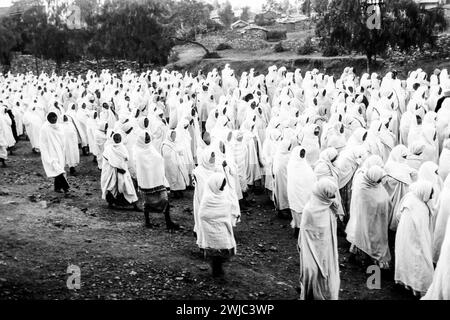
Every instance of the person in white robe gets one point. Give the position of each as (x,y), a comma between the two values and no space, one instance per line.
(100,138)
(280,163)
(52,147)
(399,177)
(444,160)
(117,185)
(440,286)
(370,208)
(442,216)
(3,143)
(428,171)
(72,153)
(216,218)
(33,123)
(176,171)
(300,182)
(201,174)
(318,244)
(413,241)
(151,180)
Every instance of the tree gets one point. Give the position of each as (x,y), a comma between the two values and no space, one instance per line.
(273,5)
(245,14)
(8,40)
(306,7)
(403,25)
(226,14)
(320,6)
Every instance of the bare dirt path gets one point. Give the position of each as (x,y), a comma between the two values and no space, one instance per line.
(42,233)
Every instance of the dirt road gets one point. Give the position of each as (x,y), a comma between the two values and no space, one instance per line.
(42,233)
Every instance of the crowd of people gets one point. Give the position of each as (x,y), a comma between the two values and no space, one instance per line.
(367,155)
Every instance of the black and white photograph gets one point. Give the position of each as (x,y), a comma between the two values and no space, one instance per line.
(227,151)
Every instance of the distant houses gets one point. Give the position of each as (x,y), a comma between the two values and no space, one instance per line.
(254,31)
(240,24)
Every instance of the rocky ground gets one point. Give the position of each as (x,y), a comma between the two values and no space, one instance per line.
(42,233)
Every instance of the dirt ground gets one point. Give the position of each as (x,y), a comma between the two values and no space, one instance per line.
(42,233)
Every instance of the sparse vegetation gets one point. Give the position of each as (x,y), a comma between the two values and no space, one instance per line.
(276,35)
(223,46)
(278,47)
(306,48)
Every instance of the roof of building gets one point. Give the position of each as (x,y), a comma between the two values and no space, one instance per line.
(238,23)
(254,27)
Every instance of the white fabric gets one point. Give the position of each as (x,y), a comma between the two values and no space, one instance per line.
(51,143)
(216,216)
(413,241)
(300,182)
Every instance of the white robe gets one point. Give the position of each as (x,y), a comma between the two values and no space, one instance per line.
(52,147)
(300,182)
(440,286)
(216,216)
(116,156)
(72,153)
(413,241)
(317,244)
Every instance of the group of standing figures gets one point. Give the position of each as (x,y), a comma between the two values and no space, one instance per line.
(364,154)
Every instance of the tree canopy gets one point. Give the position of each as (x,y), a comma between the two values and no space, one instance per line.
(403,25)
(138,30)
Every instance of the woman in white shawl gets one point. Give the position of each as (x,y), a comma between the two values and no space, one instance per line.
(176,172)
(358,179)
(444,160)
(429,172)
(442,216)
(440,286)
(280,162)
(317,244)
(348,161)
(52,146)
(226,163)
(216,220)
(430,139)
(326,167)
(33,124)
(310,141)
(72,154)
(201,174)
(117,185)
(399,177)
(254,150)
(3,143)
(100,139)
(269,148)
(240,153)
(413,241)
(7,127)
(300,181)
(151,180)
(183,142)
(370,207)
(415,157)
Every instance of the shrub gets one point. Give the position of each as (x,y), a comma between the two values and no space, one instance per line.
(173,57)
(212,55)
(276,35)
(223,46)
(306,48)
(278,47)
(332,50)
